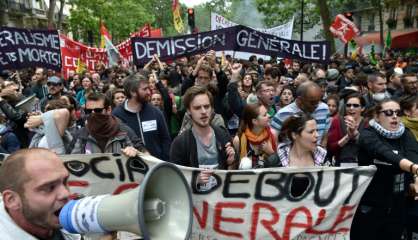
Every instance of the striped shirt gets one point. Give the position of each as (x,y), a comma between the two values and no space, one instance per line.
(321,116)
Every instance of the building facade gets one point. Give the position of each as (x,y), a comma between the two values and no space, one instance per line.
(31,14)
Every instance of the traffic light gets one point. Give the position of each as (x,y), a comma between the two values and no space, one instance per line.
(190,18)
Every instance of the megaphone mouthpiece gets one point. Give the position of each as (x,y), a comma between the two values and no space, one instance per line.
(154,209)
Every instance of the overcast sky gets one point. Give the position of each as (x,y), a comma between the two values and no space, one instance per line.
(191,3)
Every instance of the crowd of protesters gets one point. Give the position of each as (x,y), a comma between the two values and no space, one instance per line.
(223,113)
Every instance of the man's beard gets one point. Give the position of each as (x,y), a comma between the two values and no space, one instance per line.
(142,99)
(34,216)
(199,124)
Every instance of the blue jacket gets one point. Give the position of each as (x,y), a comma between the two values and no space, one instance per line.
(9,142)
(150,125)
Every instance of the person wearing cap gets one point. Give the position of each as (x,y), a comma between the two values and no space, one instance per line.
(347,78)
(55,87)
(332,77)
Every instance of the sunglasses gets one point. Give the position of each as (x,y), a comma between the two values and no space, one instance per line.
(53,84)
(354,105)
(390,112)
(95,110)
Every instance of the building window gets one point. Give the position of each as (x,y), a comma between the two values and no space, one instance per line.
(409,11)
(37,4)
(371,22)
(393,14)
(408,19)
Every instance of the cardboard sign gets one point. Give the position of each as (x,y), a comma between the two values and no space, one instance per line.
(274,203)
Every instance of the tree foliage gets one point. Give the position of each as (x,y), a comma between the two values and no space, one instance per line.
(121,17)
(203,11)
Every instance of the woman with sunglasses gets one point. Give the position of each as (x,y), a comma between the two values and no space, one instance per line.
(392,148)
(344,131)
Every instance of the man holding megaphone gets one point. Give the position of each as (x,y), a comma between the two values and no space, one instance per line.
(34,203)
(33,185)
(202,146)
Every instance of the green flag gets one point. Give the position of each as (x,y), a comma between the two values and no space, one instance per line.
(372,56)
(353,44)
(388,41)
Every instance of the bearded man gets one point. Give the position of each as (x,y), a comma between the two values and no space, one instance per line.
(146,120)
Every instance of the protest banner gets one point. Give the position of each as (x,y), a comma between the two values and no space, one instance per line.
(125,47)
(72,50)
(285,30)
(251,204)
(22,48)
(236,38)
(344,29)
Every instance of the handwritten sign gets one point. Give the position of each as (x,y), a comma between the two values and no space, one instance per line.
(279,203)
(236,38)
(22,48)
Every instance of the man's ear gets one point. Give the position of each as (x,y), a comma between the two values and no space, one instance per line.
(369,85)
(298,100)
(109,110)
(12,200)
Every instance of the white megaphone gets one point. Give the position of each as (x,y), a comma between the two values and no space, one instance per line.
(160,208)
(28,104)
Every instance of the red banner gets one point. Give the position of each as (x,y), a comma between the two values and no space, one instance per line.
(343,28)
(71,51)
(125,47)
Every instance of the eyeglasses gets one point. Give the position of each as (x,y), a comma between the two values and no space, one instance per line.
(353,105)
(390,112)
(53,84)
(95,110)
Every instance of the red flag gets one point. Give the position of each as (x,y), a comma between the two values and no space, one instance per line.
(145,31)
(343,28)
(174,4)
(103,31)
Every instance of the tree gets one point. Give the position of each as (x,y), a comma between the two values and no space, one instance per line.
(120,17)
(203,12)
(326,22)
(277,12)
(50,13)
(3,13)
(61,14)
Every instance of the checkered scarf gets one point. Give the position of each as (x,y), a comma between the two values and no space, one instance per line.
(283,150)
(386,133)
